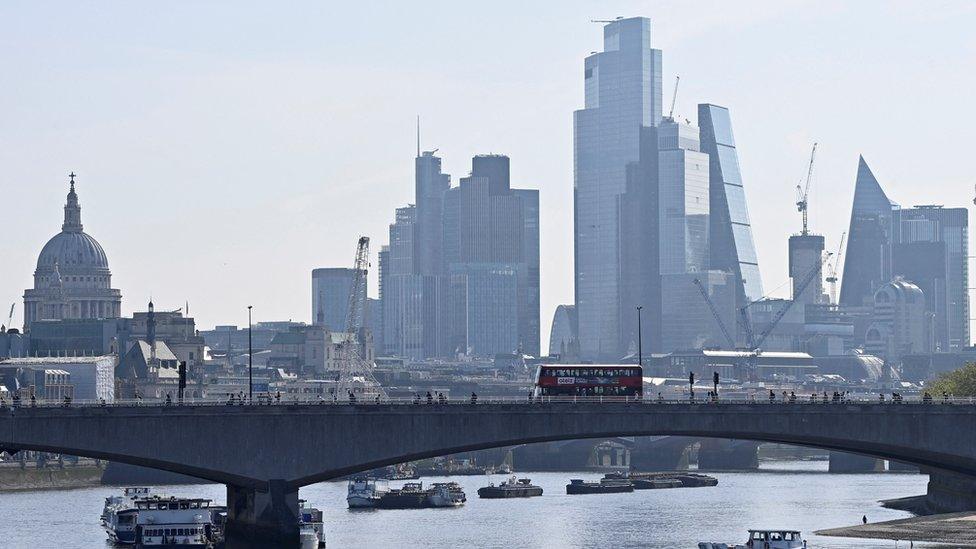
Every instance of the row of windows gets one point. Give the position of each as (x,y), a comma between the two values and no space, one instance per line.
(599,372)
(601,390)
(173,532)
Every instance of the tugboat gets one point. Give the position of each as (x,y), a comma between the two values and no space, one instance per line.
(446,494)
(364,492)
(514,487)
(605,486)
(119,514)
(764,539)
(184,523)
(411,496)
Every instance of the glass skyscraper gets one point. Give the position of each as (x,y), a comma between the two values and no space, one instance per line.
(930,245)
(330,296)
(622,89)
(867,261)
(731,244)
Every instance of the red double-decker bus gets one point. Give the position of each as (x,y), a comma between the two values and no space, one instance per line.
(623,380)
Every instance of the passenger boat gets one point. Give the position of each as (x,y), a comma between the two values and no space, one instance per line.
(411,496)
(365,492)
(176,523)
(514,487)
(763,539)
(311,529)
(446,494)
(604,486)
(119,514)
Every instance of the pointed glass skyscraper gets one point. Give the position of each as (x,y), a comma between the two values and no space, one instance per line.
(867,262)
(731,246)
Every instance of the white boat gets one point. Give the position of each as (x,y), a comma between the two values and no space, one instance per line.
(365,492)
(446,494)
(311,529)
(184,523)
(764,539)
(308,537)
(119,514)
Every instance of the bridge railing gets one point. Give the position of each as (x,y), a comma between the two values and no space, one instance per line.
(293,400)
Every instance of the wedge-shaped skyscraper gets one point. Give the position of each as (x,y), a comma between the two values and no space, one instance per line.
(867,261)
(731,245)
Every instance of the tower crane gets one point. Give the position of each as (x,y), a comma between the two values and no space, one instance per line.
(674,98)
(10,317)
(718,317)
(832,270)
(803,193)
(352,366)
(753,347)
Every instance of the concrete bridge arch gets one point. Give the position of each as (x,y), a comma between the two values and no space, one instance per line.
(265,453)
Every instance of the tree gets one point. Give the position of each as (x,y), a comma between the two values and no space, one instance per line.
(960,383)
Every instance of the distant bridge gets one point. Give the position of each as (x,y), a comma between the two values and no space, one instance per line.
(265,453)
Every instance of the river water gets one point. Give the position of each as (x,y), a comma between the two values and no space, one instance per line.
(783,494)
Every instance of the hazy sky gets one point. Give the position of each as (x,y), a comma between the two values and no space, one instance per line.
(224,149)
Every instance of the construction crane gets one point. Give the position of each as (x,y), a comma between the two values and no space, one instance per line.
(352,367)
(10,317)
(718,317)
(753,346)
(832,270)
(674,98)
(619,17)
(803,193)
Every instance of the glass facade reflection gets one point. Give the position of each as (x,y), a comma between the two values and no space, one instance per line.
(683,206)
(930,246)
(867,261)
(731,243)
(622,90)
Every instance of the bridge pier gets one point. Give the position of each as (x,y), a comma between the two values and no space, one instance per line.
(262,518)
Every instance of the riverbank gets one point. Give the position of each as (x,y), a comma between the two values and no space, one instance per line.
(955,529)
(16,479)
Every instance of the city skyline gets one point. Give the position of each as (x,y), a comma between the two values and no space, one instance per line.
(189,207)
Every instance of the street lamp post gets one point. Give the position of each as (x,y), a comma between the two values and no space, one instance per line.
(640,347)
(250,360)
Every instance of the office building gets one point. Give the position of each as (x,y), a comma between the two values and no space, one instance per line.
(491,232)
(622,94)
(930,247)
(430,186)
(805,258)
(562,333)
(867,261)
(330,296)
(900,325)
(484,308)
(731,244)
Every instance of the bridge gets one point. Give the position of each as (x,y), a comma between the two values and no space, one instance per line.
(265,453)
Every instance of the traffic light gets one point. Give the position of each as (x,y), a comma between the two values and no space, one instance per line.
(182,372)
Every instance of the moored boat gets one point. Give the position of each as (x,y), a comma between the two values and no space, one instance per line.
(176,523)
(120,513)
(364,492)
(604,486)
(446,494)
(513,487)
(411,496)
(311,529)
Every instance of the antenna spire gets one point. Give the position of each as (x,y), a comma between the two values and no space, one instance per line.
(418,135)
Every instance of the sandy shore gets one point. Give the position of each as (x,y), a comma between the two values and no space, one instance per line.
(955,529)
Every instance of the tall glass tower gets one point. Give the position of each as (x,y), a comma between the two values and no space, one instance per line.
(731,245)
(867,263)
(622,88)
